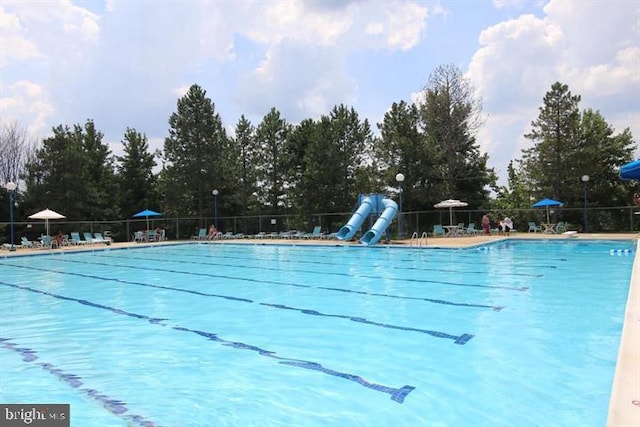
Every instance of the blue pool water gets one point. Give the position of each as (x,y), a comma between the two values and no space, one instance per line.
(519,333)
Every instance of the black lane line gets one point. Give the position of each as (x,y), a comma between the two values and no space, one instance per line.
(396,394)
(457,340)
(440,282)
(462,339)
(273,282)
(394,267)
(458,253)
(114,406)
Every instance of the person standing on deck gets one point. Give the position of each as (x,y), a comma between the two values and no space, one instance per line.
(486,223)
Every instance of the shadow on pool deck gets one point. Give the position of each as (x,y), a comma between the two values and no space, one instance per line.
(624,405)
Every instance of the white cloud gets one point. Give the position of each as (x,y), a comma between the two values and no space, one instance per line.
(586,45)
(304,69)
(279,20)
(508,4)
(26,102)
(126,64)
(181,91)
(299,80)
(58,26)
(13,44)
(405,24)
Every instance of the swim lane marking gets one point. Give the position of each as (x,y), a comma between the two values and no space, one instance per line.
(457,340)
(396,394)
(114,406)
(439,282)
(394,267)
(261,281)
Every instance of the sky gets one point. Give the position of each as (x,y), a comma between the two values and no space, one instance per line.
(125,63)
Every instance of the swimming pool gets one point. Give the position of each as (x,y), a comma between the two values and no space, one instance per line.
(517,333)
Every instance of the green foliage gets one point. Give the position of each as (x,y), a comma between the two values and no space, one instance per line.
(271,160)
(242,161)
(320,166)
(451,116)
(194,157)
(513,197)
(327,160)
(403,148)
(348,145)
(73,173)
(136,180)
(570,144)
(550,162)
(434,146)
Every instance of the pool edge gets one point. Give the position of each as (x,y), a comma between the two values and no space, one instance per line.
(624,403)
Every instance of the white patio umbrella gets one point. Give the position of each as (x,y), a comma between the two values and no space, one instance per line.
(450,203)
(47,214)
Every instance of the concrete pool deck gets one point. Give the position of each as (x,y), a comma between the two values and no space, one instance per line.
(624,404)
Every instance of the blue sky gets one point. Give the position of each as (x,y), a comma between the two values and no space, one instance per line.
(126,63)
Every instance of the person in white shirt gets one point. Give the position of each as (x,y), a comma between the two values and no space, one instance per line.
(507,224)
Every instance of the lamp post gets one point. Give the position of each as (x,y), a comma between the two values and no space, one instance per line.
(585,180)
(11,188)
(400,178)
(215,208)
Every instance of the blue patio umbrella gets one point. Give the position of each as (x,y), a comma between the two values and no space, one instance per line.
(147,213)
(545,203)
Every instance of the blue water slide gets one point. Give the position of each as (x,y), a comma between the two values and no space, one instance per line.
(350,228)
(630,170)
(372,236)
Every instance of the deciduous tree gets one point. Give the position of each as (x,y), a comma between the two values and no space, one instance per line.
(451,116)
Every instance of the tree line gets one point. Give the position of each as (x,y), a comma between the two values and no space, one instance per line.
(318,166)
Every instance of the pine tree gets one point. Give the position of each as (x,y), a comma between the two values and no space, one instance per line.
(194,157)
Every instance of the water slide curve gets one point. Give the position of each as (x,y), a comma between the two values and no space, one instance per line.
(630,170)
(368,205)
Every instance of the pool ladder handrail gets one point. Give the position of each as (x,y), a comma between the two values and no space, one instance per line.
(418,240)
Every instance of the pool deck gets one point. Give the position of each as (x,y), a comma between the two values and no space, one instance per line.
(624,404)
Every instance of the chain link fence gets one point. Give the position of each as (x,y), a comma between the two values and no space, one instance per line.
(598,220)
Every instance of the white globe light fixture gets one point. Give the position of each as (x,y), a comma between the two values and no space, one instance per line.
(585,180)
(215,207)
(400,179)
(11,188)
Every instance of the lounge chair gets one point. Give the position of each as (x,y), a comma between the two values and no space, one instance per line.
(7,246)
(151,236)
(298,235)
(76,239)
(88,237)
(533,227)
(315,234)
(26,243)
(471,229)
(438,230)
(47,242)
(98,238)
(202,235)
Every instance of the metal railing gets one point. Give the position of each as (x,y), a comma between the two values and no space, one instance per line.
(602,220)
